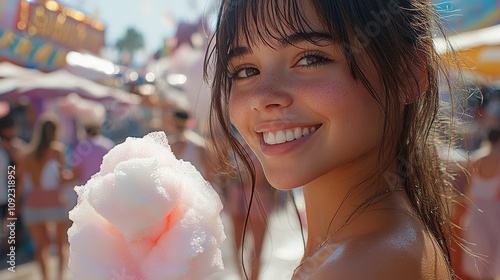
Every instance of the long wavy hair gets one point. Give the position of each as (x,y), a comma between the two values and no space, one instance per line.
(45,133)
(397,35)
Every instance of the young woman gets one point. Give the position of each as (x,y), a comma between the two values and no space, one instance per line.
(44,202)
(341,97)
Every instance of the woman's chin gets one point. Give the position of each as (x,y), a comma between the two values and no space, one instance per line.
(282,185)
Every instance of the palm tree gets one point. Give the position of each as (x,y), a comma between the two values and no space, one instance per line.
(129,44)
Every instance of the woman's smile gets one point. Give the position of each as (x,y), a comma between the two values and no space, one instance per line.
(288,135)
(280,142)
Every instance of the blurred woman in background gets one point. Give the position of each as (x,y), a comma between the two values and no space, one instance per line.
(44,202)
(483,213)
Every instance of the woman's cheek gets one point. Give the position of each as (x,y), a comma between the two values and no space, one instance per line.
(237,111)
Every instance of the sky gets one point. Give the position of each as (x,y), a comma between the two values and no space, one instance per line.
(154,19)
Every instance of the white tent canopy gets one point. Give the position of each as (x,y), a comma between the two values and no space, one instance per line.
(9,70)
(479,50)
(187,63)
(489,36)
(62,83)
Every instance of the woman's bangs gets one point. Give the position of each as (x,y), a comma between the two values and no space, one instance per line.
(269,22)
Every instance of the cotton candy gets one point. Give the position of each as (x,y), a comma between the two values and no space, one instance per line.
(145,216)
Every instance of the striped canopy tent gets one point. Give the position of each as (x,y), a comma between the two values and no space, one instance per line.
(478,50)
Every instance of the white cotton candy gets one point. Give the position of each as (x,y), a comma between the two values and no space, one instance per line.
(145,215)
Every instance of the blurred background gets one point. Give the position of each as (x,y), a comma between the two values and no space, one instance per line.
(128,66)
(123,49)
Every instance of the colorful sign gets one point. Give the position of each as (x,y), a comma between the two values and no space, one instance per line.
(65,26)
(467,15)
(39,34)
(31,51)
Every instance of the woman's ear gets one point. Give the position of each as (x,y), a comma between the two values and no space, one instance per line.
(418,80)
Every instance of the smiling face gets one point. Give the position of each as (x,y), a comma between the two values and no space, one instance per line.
(301,111)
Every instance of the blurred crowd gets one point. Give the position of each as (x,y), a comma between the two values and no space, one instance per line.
(475,167)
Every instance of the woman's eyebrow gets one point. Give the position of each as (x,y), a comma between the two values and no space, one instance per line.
(315,37)
(292,39)
(238,52)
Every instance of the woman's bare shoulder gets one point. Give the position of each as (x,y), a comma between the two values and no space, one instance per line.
(402,252)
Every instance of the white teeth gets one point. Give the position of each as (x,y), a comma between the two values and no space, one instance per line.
(297,132)
(282,136)
(271,139)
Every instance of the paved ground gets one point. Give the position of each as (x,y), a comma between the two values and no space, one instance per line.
(282,252)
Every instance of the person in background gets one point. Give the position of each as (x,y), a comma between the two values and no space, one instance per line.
(44,203)
(186,144)
(482,218)
(11,152)
(88,153)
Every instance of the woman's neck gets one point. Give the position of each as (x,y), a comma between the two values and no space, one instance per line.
(332,200)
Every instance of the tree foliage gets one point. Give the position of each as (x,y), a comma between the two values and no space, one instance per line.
(131,42)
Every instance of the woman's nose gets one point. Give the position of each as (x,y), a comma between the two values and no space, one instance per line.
(271,92)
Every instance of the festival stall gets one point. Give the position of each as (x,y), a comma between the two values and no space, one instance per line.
(39,34)
(179,74)
(58,48)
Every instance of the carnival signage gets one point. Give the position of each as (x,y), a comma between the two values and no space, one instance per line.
(39,34)
(30,51)
(64,26)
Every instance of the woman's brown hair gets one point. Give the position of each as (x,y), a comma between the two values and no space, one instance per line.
(44,134)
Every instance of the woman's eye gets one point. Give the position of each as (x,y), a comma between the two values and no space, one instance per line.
(312,59)
(245,73)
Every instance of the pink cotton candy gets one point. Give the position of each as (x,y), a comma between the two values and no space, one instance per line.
(145,216)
